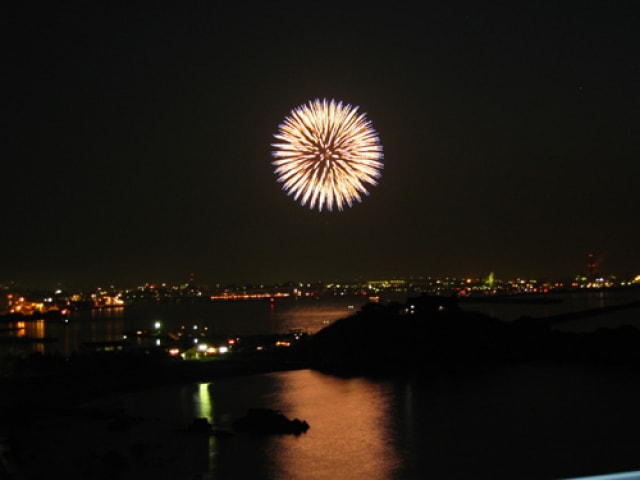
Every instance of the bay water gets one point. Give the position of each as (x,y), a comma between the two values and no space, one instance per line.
(523,422)
(534,421)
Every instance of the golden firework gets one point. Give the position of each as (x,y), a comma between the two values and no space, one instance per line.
(327,154)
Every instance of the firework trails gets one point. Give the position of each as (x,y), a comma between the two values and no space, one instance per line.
(327,154)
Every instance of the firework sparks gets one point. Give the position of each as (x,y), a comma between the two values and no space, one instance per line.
(327,154)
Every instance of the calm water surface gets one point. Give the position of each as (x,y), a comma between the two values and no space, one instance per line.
(224,318)
(516,422)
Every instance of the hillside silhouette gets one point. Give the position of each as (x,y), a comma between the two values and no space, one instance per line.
(431,331)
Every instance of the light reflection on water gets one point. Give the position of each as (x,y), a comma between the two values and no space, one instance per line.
(351,428)
(218,318)
(352,432)
(526,421)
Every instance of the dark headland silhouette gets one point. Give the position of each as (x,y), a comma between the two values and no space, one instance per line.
(431,331)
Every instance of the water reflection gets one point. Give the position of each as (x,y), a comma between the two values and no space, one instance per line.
(350,434)
(24,332)
(525,421)
(219,318)
(311,316)
(203,408)
(203,405)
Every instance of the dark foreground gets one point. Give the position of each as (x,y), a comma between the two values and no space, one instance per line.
(50,394)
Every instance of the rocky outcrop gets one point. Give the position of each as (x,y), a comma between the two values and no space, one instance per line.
(269,421)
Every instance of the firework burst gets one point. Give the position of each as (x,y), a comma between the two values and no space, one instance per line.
(327,154)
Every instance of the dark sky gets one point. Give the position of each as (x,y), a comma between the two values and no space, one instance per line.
(136,140)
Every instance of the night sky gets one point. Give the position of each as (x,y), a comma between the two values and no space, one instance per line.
(137,140)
